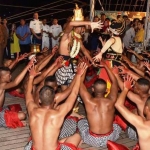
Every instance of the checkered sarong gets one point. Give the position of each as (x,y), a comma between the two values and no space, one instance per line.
(65,74)
(132,133)
(97,141)
(60,147)
(2,119)
(68,128)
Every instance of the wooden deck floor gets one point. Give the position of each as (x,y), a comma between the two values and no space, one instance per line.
(16,139)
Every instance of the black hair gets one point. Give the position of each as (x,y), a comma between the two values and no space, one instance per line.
(143,81)
(46,95)
(39,54)
(4,69)
(100,81)
(50,79)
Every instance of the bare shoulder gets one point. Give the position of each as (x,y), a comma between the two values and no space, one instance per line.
(65,36)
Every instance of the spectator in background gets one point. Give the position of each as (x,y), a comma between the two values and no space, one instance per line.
(103,17)
(55,31)
(36,29)
(7,48)
(14,45)
(129,36)
(139,37)
(94,37)
(46,32)
(3,41)
(23,34)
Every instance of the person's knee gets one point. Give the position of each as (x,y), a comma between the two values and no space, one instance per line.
(21,116)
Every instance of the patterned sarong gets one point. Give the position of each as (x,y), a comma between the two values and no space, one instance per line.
(97,140)
(69,127)
(132,133)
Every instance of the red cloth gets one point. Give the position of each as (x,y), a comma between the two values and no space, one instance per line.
(130,105)
(73,147)
(12,120)
(137,147)
(100,135)
(15,107)
(118,120)
(16,94)
(88,84)
(73,118)
(115,146)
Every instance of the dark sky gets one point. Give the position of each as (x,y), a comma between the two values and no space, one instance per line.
(61,9)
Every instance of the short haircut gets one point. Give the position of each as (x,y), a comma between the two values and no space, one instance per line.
(46,95)
(98,89)
(39,54)
(141,22)
(4,69)
(145,83)
(50,79)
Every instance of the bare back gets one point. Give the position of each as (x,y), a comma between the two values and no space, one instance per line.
(2,94)
(117,46)
(45,126)
(144,136)
(100,114)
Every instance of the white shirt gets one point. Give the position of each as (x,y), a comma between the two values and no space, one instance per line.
(36,25)
(45,28)
(129,35)
(55,30)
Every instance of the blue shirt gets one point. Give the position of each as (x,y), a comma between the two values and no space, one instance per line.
(21,31)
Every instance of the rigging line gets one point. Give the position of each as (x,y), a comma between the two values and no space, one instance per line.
(47,14)
(15,6)
(101,5)
(35,8)
(38,11)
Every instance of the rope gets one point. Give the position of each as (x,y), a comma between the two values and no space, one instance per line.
(92,4)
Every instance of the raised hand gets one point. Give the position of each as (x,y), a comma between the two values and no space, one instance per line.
(97,25)
(128,82)
(81,68)
(85,60)
(98,57)
(45,49)
(54,50)
(59,62)
(32,72)
(123,70)
(23,56)
(31,62)
(147,65)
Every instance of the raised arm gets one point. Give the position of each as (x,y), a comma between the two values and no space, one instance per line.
(20,76)
(43,63)
(72,24)
(28,92)
(67,106)
(132,96)
(98,57)
(56,64)
(128,115)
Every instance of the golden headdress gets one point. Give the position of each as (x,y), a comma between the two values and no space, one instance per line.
(78,14)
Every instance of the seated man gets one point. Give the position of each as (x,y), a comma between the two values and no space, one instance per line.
(99,126)
(141,124)
(45,120)
(9,118)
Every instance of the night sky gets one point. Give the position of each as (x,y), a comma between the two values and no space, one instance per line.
(61,9)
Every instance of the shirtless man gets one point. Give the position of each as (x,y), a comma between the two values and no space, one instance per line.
(6,83)
(141,124)
(45,121)
(139,94)
(73,30)
(99,127)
